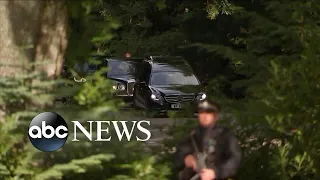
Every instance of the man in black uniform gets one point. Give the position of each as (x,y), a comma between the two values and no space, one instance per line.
(210,151)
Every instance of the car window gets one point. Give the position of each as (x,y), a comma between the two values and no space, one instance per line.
(120,68)
(86,68)
(173,78)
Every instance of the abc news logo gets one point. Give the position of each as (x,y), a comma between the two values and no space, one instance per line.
(48,131)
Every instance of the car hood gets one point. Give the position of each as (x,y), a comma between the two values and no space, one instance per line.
(125,78)
(185,89)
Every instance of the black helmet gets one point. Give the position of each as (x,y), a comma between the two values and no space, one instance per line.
(208,106)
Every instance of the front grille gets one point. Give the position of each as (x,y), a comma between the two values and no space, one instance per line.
(130,88)
(179,98)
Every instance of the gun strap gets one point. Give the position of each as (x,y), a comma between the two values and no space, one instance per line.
(195,177)
(199,158)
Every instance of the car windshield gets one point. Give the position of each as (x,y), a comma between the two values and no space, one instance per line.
(120,68)
(173,78)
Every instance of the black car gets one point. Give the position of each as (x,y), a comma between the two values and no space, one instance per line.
(166,83)
(120,70)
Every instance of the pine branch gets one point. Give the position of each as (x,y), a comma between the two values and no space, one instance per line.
(77,166)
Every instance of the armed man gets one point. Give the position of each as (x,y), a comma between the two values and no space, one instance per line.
(210,151)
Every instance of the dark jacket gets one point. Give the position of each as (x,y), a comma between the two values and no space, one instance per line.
(222,149)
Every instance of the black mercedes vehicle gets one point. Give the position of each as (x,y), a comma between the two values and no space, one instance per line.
(166,83)
(120,70)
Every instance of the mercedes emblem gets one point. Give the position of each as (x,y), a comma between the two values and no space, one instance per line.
(180,98)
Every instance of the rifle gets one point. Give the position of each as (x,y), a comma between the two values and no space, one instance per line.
(200,158)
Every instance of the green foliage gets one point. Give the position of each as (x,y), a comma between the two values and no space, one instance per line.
(18,97)
(89,30)
(268,51)
(277,56)
(75,166)
(217,7)
(146,168)
(96,91)
(167,28)
(20,160)
(161,4)
(270,58)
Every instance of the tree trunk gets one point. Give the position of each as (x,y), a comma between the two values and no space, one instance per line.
(32,31)
(19,28)
(39,25)
(52,39)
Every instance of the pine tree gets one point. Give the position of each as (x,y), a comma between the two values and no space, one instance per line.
(20,95)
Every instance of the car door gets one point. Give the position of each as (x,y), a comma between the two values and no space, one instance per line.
(144,86)
(140,86)
(136,88)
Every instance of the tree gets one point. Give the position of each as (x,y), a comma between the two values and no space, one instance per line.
(44,37)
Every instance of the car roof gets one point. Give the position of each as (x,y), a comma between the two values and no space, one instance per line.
(100,56)
(169,63)
(115,58)
(131,60)
(92,66)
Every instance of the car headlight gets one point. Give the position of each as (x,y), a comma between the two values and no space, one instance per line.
(155,97)
(201,96)
(119,87)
